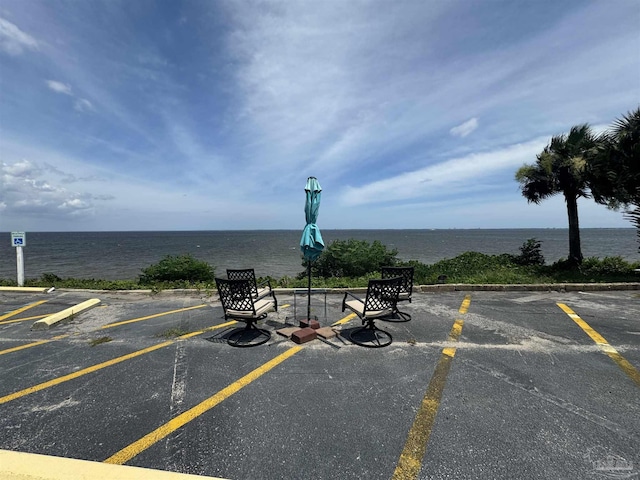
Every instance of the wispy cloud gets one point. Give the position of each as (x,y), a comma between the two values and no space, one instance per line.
(79,104)
(465,128)
(83,105)
(439,179)
(13,40)
(59,87)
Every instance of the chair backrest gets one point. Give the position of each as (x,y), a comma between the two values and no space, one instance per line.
(382,294)
(235,294)
(405,272)
(244,274)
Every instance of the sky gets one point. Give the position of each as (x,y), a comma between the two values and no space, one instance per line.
(210,115)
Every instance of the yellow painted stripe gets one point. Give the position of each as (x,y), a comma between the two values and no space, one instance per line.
(175,423)
(22,309)
(410,462)
(99,366)
(631,371)
(24,319)
(344,320)
(124,322)
(208,329)
(456,330)
(79,373)
(32,344)
(33,466)
(465,304)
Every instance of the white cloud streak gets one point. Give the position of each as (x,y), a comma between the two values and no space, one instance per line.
(465,128)
(13,40)
(442,178)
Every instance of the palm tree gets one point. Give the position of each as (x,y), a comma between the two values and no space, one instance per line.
(561,168)
(614,171)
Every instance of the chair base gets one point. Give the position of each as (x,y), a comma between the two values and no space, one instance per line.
(370,336)
(250,336)
(397,316)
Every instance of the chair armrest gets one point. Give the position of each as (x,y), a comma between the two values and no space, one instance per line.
(344,300)
(264,283)
(267,284)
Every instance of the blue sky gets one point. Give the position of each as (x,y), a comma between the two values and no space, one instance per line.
(205,115)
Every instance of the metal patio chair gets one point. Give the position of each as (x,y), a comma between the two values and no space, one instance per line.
(379,303)
(239,304)
(406,289)
(258,290)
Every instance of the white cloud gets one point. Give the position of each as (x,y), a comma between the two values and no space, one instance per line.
(83,105)
(59,87)
(79,104)
(441,178)
(465,128)
(24,190)
(13,40)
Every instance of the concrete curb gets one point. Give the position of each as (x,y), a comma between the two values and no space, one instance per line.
(444,287)
(25,289)
(32,466)
(534,287)
(48,322)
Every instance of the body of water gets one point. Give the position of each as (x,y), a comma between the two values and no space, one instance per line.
(122,255)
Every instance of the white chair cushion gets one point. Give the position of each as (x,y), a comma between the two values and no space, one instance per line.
(262,306)
(358,308)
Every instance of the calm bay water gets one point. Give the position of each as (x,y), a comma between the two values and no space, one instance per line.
(122,255)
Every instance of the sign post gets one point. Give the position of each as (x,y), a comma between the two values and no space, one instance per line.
(19,240)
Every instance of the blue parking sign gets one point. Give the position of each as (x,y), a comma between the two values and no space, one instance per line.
(18,239)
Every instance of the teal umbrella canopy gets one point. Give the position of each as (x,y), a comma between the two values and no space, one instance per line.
(311,242)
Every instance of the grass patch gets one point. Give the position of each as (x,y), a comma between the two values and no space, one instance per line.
(174,332)
(98,341)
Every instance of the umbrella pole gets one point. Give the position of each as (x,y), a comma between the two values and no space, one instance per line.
(309,291)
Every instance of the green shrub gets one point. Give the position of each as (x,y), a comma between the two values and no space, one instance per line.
(182,268)
(352,258)
(530,253)
(50,278)
(606,266)
(475,267)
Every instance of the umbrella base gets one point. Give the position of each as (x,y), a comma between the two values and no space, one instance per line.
(310,323)
(304,335)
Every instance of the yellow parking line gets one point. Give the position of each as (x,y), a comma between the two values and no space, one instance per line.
(124,322)
(24,319)
(22,309)
(344,320)
(465,304)
(175,423)
(410,461)
(622,362)
(32,344)
(100,366)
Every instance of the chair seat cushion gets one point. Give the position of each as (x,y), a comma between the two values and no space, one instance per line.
(358,308)
(262,306)
(404,296)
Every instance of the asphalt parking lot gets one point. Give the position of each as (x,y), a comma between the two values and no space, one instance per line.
(496,385)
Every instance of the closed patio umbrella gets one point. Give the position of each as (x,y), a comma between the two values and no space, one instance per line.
(311,242)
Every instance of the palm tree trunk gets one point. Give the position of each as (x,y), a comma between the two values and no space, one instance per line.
(575,251)
(634,217)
